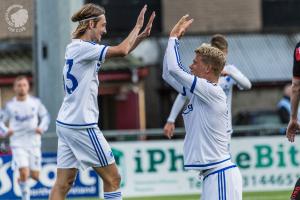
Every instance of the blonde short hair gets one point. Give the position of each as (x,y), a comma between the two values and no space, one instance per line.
(213,57)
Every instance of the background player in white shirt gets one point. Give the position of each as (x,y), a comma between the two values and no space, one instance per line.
(27,119)
(80,142)
(230,76)
(205,118)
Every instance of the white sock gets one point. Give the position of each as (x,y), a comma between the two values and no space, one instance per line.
(116,195)
(25,190)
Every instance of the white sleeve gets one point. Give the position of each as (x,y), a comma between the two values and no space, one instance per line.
(92,51)
(198,86)
(177,107)
(44,117)
(241,80)
(4,116)
(169,79)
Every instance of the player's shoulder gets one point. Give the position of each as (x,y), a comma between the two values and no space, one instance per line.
(297,51)
(78,43)
(212,87)
(34,99)
(10,102)
(89,46)
(84,43)
(296,70)
(230,67)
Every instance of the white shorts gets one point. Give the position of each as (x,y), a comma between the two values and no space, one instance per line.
(30,157)
(82,148)
(223,184)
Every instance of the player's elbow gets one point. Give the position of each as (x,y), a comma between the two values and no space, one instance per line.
(124,52)
(164,76)
(245,85)
(248,86)
(118,51)
(296,87)
(173,71)
(165,73)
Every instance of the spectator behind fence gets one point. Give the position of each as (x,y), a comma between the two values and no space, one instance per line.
(284,105)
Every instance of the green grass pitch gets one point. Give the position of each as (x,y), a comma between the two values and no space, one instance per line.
(276,195)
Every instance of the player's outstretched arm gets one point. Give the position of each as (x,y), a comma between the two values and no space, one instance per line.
(173,72)
(242,81)
(170,79)
(293,126)
(145,33)
(198,86)
(133,38)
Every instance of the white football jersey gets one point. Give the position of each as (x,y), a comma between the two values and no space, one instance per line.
(80,76)
(23,118)
(227,83)
(206,124)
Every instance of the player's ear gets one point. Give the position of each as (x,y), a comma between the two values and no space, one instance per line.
(91,24)
(207,68)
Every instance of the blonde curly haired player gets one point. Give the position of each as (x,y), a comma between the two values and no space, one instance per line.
(205,117)
(81,144)
(230,76)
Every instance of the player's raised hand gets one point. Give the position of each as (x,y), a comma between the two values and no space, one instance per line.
(146,32)
(140,19)
(292,129)
(169,130)
(181,26)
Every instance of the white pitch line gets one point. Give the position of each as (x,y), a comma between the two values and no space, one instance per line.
(266,198)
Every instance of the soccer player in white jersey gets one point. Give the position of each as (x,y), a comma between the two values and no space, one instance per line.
(230,76)
(205,118)
(27,120)
(80,142)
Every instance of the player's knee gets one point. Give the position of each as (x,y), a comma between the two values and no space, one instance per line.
(64,186)
(117,181)
(24,175)
(113,182)
(35,177)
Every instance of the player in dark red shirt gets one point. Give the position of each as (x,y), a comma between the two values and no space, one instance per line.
(294,126)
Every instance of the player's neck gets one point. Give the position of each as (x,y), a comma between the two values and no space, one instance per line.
(21,97)
(212,79)
(86,37)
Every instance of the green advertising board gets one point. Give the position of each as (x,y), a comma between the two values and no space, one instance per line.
(156,167)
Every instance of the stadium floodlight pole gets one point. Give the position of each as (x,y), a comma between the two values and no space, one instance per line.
(52,33)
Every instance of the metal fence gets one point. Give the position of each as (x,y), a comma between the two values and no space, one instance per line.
(49,140)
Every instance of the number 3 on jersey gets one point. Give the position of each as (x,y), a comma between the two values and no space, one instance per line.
(70,82)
